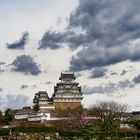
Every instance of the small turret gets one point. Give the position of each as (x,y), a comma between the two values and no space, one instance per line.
(42,100)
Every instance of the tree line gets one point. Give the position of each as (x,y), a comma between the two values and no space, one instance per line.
(103,119)
(7,117)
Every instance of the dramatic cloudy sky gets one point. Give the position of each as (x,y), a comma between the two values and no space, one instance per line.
(99,40)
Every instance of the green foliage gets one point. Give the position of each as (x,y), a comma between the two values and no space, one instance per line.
(32,129)
(127,133)
(1,118)
(4,132)
(36,108)
(135,123)
(89,132)
(108,116)
(110,124)
(70,133)
(8,117)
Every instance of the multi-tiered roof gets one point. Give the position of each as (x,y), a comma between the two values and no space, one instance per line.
(67,90)
(43,101)
(41,96)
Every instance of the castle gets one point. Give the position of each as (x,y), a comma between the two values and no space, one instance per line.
(67,95)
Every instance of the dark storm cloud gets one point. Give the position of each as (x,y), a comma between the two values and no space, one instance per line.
(2,63)
(108,22)
(1,70)
(27,86)
(110,25)
(24,87)
(51,40)
(137,79)
(113,73)
(20,44)
(48,83)
(13,101)
(105,29)
(99,57)
(108,88)
(98,73)
(55,40)
(26,64)
(123,72)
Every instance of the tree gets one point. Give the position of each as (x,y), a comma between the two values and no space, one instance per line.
(71,119)
(136,124)
(36,108)
(1,118)
(108,117)
(8,117)
(78,118)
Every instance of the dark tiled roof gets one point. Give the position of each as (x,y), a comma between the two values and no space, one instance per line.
(66,75)
(42,93)
(136,113)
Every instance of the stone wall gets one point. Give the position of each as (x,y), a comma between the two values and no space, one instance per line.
(36,136)
(67,105)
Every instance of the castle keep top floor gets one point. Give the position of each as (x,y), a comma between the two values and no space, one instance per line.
(67,76)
